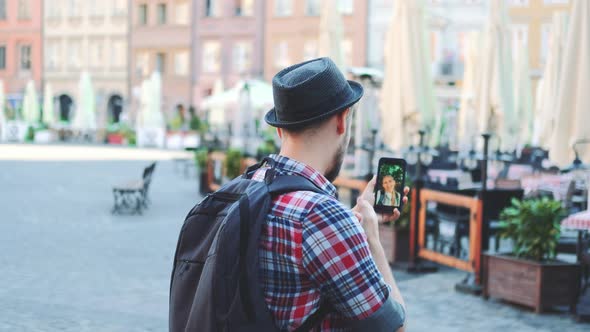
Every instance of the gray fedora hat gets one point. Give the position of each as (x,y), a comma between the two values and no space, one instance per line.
(309,92)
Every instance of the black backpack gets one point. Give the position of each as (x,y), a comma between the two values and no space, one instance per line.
(214,284)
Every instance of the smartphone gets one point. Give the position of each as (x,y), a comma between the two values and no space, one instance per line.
(389,189)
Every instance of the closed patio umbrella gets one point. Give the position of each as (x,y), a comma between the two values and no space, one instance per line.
(546,114)
(573,98)
(216,113)
(467,111)
(48,115)
(494,99)
(31,105)
(85,116)
(407,96)
(523,95)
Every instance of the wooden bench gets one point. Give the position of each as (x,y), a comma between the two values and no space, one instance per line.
(133,196)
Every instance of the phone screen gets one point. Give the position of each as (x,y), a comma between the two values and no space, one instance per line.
(389,189)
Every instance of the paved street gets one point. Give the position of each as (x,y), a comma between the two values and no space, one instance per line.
(67,264)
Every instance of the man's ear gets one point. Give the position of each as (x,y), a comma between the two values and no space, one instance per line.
(341,121)
(280,132)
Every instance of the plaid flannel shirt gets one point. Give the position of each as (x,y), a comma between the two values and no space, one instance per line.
(313,245)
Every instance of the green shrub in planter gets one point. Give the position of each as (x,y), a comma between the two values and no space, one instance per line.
(233,163)
(534,227)
(201,158)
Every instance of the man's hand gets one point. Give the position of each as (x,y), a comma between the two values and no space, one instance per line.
(369,196)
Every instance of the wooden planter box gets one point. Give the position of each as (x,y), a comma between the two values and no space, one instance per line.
(530,283)
(396,243)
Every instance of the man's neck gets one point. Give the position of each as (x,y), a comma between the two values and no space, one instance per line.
(306,157)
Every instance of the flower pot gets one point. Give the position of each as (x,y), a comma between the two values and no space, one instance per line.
(115,139)
(539,285)
(395,242)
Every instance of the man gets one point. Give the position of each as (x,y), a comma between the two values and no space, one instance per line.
(388,196)
(313,249)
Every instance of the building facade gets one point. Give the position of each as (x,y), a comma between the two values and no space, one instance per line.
(292,32)
(531,24)
(87,36)
(229,43)
(161,40)
(20,47)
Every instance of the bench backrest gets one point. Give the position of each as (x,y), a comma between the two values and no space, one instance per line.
(147,175)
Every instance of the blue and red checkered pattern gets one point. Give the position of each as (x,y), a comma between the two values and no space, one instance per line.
(314,246)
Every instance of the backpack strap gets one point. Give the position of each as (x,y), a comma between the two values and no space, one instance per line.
(282,184)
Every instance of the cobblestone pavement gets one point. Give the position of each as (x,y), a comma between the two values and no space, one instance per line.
(67,264)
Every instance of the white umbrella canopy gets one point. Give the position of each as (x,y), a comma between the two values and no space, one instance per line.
(573,99)
(523,95)
(48,115)
(260,94)
(330,39)
(494,97)
(150,112)
(545,113)
(216,114)
(407,94)
(85,116)
(31,104)
(466,130)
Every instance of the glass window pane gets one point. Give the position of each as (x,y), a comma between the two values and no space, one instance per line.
(143,14)
(2,57)
(182,13)
(2,9)
(162,13)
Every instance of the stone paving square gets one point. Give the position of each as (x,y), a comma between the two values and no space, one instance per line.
(67,264)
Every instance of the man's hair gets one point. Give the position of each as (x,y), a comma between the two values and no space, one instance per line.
(313,127)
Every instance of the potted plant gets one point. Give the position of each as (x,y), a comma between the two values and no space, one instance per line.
(395,236)
(201,156)
(530,275)
(114,134)
(233,163)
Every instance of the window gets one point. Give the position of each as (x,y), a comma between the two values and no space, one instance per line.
(283,7)
(281,54)
(96,8)
(310,50)
(51,11)
(556,2)
(74,8)
(345,7)
(24,10)
(52,49)
(143,14)
(142,64)
(182,16)
(211,57)
(346,46)
(212,8)
(75,53)
(96,53)
(181,65)
(161,63)
(118,54)
(473,2)
(244,7)
(2,57)
(2,9)
(162,13)
(518,3)
(119,7)
(25,57)
(242,57)
(312,7)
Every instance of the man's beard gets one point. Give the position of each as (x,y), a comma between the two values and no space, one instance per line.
(334,170)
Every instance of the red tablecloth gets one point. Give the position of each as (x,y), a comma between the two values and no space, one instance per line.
(578,221)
